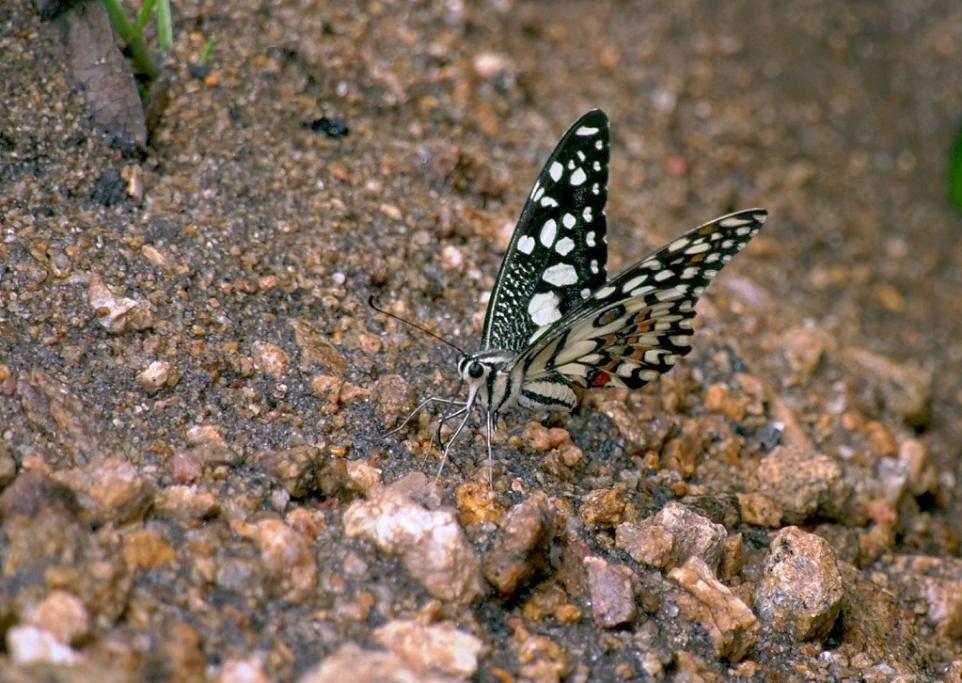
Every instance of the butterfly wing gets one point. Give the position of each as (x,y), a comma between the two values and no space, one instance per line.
(558,253)
(637,326)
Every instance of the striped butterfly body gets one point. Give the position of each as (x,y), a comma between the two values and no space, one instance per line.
(554,320)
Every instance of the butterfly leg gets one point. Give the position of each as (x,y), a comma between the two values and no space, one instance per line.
(447,448)
(432,399)
(443,420)
(490,419)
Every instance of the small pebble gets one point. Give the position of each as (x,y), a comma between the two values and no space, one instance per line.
(612,594)
(270,359)
(156,376)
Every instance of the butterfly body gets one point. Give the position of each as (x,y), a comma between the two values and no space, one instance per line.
(555,322)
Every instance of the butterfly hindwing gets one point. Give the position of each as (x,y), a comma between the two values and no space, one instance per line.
(558,252)
(637,326)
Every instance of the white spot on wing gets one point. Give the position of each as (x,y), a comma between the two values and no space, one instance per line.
(697,248)
(678,244)
(555,171)
(526,244)
(568,221)
(733,222)
(578,177)
(590,238)
(585,293)
(548,232)
(664,275)
(543,308)
(604,292)
(586,214)
(548,200)
(564,245)
(594,266)
(585,131)
(560,274)
(599,144)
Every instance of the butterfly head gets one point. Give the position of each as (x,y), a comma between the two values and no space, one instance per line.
(487,375)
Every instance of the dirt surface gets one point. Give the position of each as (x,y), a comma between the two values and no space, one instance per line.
(195,477)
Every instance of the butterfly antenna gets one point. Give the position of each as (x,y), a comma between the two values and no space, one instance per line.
(372,304)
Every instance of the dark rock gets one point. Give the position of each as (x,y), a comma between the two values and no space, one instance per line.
(109,189)
(332,127)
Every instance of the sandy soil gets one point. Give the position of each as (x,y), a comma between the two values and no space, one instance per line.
(194,395)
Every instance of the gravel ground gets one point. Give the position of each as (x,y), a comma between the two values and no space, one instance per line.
(195,477)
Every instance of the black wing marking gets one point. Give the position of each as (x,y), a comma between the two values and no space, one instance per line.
(558,254)
(637,326)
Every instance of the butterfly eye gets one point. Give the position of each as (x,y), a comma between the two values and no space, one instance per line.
(475,369)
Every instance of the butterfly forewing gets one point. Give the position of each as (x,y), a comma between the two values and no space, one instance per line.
(634,328)
(558,253)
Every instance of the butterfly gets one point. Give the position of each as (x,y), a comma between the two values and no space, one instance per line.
(555,322)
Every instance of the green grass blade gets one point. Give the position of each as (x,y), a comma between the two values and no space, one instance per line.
(955,173)
(143,16)
(138,49)
(165,29)
(207,52)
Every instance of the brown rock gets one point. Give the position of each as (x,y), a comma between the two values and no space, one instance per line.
(430,543)
(33,494)
(186,503)
(294,468)
(611,591)
(53,409)
(604,507)
(288,558)
(270,359)
(477,504)
(541,659)
(646,543)
(351,663)
(317,350)
(903,389)
(328,389)
(803,483)
(442,649)
(116,314)
(536,437)
(671,537)
(144,549)
(759,510)
(731,559)
(62,614)
(803,348)
(921,475)
(363,477)
(522,550)
(109,491)
(801,591)
(157,375)
(393,399)
(732,627)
